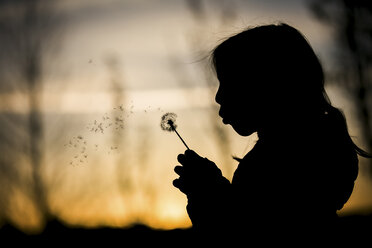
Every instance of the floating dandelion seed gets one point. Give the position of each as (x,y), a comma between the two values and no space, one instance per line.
(114,121)
(168,123)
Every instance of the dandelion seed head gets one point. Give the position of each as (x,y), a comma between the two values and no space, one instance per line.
(168,122)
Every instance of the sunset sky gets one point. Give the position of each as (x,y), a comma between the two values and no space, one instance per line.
(114,69)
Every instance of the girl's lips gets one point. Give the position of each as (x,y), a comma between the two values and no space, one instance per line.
(224,119)
(224,114)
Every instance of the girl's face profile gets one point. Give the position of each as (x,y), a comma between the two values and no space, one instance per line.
(238,100)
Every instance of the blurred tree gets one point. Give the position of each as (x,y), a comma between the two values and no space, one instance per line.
(28,30)
(114,68)
(351,21)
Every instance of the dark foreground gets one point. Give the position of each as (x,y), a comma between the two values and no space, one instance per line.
(355,229)
(56,234)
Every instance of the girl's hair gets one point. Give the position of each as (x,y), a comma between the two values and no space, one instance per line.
(280,53)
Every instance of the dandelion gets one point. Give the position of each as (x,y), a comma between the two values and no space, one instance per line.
(168,123)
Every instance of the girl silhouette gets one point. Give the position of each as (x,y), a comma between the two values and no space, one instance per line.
(304,165)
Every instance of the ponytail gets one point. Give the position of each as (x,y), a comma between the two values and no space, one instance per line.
(337,120)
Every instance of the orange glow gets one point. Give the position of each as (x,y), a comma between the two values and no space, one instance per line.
(123,175)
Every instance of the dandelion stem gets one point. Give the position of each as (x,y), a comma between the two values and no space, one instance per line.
(171,124)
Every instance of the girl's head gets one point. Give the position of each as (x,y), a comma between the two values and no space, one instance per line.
(268,75)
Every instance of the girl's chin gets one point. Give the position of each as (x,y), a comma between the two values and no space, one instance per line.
(243,131)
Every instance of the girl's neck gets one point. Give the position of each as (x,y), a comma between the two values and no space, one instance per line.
(296,131)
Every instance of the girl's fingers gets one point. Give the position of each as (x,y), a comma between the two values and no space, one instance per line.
(189,158)
(181,158)
(177,183)
(179,170)
(191,153)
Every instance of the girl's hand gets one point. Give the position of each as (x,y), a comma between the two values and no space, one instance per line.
(197,175)
(206,189)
